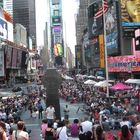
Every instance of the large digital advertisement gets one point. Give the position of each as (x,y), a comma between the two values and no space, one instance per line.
(111,30)
(130,12)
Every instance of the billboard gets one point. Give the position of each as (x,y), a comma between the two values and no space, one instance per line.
(58,49)
(95,24)
(3,29)
(57,28)
(10,31)
(130,12)
(2,73)
(56,19)
(129,63)
(111,30)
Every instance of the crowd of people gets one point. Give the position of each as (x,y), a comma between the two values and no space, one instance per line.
(108,118)
(12,127)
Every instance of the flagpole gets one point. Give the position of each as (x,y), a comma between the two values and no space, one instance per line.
(105,48)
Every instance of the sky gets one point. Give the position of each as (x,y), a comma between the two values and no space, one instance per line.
(69,11)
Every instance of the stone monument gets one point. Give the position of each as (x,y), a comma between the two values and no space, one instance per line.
(52,81)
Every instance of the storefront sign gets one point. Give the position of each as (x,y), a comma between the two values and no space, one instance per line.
(124,64)
(2,63)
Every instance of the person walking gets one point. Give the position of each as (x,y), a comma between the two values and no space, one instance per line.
(66,112)
(20,134)
(50,114)
(40,109)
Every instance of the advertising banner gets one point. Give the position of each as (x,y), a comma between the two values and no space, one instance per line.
(58,49)
(19,55)
(124,64)
(102,52)
(14,58)
(111,30)
(95,26)
(130,12)
(33,63)
(9,57)
(57,28)
(2,63)
(3,29)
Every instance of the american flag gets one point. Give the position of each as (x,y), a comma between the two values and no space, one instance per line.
(100,11)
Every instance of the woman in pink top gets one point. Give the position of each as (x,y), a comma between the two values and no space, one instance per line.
(44,127)
(74,128)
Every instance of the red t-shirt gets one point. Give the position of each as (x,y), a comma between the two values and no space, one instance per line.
(123,138)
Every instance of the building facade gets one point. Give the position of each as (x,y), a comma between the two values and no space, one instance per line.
(24,13)
(120,38)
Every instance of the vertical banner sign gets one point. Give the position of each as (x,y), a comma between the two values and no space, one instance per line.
(102,52)
(2,63)
(14,58)
(19,55)
(9,57)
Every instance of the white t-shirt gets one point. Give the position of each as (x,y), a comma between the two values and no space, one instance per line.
(21,135)
(50,112)
(86,126)
(62,133)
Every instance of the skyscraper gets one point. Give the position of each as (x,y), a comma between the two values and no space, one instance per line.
(24,13)
(8,6)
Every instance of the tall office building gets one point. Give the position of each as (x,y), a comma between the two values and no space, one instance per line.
(8,6)
(24,13)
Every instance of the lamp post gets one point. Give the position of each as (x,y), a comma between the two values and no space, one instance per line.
(105,47)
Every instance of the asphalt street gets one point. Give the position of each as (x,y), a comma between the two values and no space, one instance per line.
(34,123)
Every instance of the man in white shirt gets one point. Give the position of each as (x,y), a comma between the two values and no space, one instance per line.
(125,122)
(50,113)
(86,125)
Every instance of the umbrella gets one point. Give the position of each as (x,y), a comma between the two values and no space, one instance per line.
(90,82)
(133,81)
(100,77)
(121,86)
(102,84)
(91,76)
(66,77)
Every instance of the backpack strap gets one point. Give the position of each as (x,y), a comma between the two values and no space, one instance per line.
(16,134)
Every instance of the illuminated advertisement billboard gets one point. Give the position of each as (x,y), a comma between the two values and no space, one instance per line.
(58,49)
(57,28)
(111,30)
(130,12)
(124,63)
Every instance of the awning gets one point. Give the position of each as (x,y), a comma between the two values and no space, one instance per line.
(133,81)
